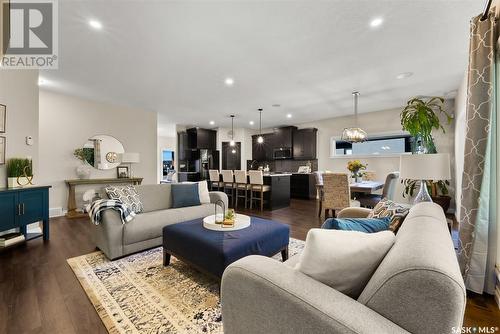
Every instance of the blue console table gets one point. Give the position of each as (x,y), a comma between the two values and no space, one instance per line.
(20,207)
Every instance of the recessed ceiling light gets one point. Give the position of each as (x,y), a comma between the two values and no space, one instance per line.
(376,22)
(229,81)
(251,122)
(404,75)
(288,115)
(41,81)
(95,24)
(212,122)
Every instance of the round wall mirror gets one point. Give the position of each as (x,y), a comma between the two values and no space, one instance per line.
(103,152)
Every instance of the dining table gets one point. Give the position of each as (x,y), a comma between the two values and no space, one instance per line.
(365,187)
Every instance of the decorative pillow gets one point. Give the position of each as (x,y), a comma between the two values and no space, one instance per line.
(367,225)
(203,192)
(185,194)
(127,195)
(344,260)
(387,208)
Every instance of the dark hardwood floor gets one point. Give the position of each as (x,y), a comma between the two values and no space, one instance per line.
(40,294)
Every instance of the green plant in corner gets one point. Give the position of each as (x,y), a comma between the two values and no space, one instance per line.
(420,117)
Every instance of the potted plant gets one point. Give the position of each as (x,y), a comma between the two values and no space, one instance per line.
(355,166)
(83,170)
(420,117)
(19,172)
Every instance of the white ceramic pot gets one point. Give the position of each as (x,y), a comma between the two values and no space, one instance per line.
(83,171)
(13,182)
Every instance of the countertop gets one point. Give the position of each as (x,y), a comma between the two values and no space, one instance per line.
(278,174)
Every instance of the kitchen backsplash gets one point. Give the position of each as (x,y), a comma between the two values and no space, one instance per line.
(283,165)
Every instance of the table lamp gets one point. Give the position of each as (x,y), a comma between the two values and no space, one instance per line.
(131,158)
(425,167)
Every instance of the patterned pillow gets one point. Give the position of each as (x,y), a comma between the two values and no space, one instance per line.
(387,208)
(128,195)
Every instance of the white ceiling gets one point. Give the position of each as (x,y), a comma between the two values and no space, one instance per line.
(307,56)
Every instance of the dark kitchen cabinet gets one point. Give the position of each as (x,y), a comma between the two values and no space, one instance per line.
(283,137)
(182,145)
(258,150)
(303,186)
(304,144)
(198,138)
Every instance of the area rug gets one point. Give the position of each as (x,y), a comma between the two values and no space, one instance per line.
(137,294)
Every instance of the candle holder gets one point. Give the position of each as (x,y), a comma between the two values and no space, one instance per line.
(219,204)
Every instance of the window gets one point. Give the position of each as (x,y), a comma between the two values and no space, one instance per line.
(382,145)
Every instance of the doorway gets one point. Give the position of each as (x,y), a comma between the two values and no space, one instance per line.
(168,161)
(231,156)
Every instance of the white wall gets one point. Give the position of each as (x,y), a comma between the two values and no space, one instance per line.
(67,122)
(460,129)
(381,122)
(19,92)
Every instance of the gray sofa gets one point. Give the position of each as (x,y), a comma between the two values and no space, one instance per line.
(116,239)
(417,288)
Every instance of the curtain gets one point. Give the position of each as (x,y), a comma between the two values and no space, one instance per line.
(478,225)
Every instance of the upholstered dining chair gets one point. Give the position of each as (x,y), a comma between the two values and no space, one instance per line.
(228,184)
(319,189)
(241,187)
(257,186)
(336,193)
(370,200)
(215,183)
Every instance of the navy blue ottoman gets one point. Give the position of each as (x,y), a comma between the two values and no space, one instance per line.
(212,251)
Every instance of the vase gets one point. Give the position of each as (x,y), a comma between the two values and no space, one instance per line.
(358,179)
(83,171)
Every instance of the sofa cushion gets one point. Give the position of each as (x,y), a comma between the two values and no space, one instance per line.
(367,225)
(127,195)
(185,194)
(387,208)
(149,225)
(155,196)
(344,260)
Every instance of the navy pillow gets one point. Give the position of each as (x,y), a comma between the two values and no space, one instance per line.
(185,194)
(368,225)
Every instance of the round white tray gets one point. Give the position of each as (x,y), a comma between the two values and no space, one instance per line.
(241,222)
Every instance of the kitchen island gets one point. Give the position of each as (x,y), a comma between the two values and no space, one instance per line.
(279,196)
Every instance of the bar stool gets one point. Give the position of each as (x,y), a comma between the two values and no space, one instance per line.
(215,179)
(228,183)
(240,176)
(257,185)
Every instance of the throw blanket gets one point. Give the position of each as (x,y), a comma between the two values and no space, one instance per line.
(105,204)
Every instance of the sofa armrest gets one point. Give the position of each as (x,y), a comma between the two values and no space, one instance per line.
(354,212)
(218,195)
(108,235)
(262,295)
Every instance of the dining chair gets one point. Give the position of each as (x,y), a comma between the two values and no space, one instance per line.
(257,185)
(215,179)
(241,184)
(336,193)
(319,189)
(228,183)
(370,200)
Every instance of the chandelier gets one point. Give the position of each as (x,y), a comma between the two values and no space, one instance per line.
(354,134)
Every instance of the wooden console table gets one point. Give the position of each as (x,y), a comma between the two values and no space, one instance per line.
(72,184)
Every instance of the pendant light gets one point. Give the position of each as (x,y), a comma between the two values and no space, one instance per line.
(232,142)
(260,139)
(355,134)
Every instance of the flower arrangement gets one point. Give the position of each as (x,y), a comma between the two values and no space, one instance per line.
(355,166)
